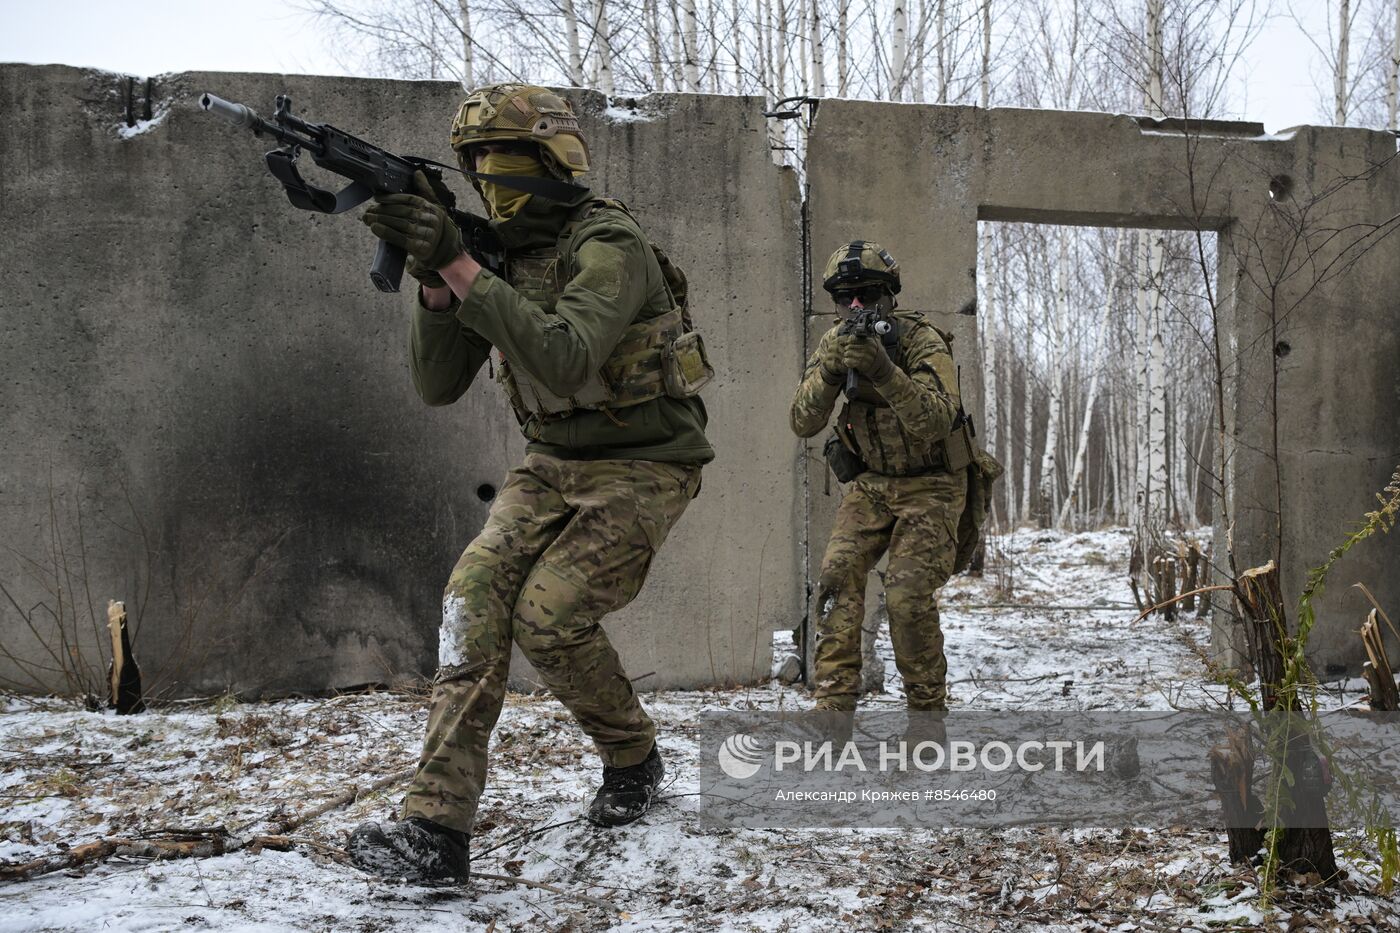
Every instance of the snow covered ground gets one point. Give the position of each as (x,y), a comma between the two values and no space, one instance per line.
(68,776)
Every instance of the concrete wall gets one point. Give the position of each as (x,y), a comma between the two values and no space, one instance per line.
(210,404)
(206,378)
(1338,386)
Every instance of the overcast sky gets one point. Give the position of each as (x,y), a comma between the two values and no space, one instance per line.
(156,36)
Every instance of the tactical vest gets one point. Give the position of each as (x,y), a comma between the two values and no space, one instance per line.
(869,427)
(659,354)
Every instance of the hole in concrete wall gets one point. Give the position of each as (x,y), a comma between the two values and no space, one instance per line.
(1097,344)
(1280,186)
(486,492)
(1282,349)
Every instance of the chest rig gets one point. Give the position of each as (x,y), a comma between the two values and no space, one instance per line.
(869,427)
(659,354)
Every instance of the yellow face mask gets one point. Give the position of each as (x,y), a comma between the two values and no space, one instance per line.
(504,203)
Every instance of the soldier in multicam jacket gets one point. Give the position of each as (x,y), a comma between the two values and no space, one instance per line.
(901,442)
(597,355)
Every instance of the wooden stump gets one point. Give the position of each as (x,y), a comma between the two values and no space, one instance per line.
(1192,562)
(1306,842)
(1232,773)
(1167,587)
(1261,598)
(123,676)
(1377,670)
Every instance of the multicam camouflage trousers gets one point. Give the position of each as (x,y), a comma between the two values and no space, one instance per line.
(916,518)
(566,542)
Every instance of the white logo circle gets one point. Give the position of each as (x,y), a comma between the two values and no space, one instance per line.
(740,757)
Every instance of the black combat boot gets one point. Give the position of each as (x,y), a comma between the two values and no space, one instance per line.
(414,849)
(627,792)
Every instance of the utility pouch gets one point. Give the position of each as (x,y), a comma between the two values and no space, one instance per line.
(685,367)
(957,449)
(844,464)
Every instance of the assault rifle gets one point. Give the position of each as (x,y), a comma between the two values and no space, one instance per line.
(371,171)
(864,323)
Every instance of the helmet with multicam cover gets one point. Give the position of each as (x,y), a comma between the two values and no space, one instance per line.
(524,113)
(861,262)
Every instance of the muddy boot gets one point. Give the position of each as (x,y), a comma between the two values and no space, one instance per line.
(414,849)
(627,792)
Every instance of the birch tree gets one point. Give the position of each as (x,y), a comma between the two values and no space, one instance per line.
(692,64)
(1340,88)
(899,50)
(1392,84)
(575,49)
(604,43)
(984,83)
(843,30)
(1054,381)
(1092,394)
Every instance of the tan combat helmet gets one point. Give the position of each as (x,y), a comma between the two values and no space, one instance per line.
(858,263)
(526,113)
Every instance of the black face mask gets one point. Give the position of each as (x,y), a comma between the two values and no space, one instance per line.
(869,295)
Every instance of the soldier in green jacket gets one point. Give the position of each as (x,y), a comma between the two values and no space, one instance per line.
(901,445)
(597,355)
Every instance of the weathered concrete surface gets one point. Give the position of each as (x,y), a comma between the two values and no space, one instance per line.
(940,169)
(210,374)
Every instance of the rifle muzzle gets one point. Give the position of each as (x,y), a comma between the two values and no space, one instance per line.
(237,114)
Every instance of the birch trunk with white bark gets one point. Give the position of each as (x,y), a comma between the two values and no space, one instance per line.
(1054,379)
(1339,74)
(601,36)
(575,50)
(985,96)
(1092,394)
(899,49)
(942,37)
(1028,428)
(692,65)
(468,54)
(1392,84)
(843,26)
(658,76)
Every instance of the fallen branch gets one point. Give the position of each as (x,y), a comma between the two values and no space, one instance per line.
(195,843)
(102,849)
(586,898)
(291,823)
(1176,599)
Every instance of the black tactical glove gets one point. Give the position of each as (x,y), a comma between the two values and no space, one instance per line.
(867,356)
(420,225)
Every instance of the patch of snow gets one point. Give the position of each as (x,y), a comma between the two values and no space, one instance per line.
(453,634)
(617,114)
(68,776)
(144,126)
